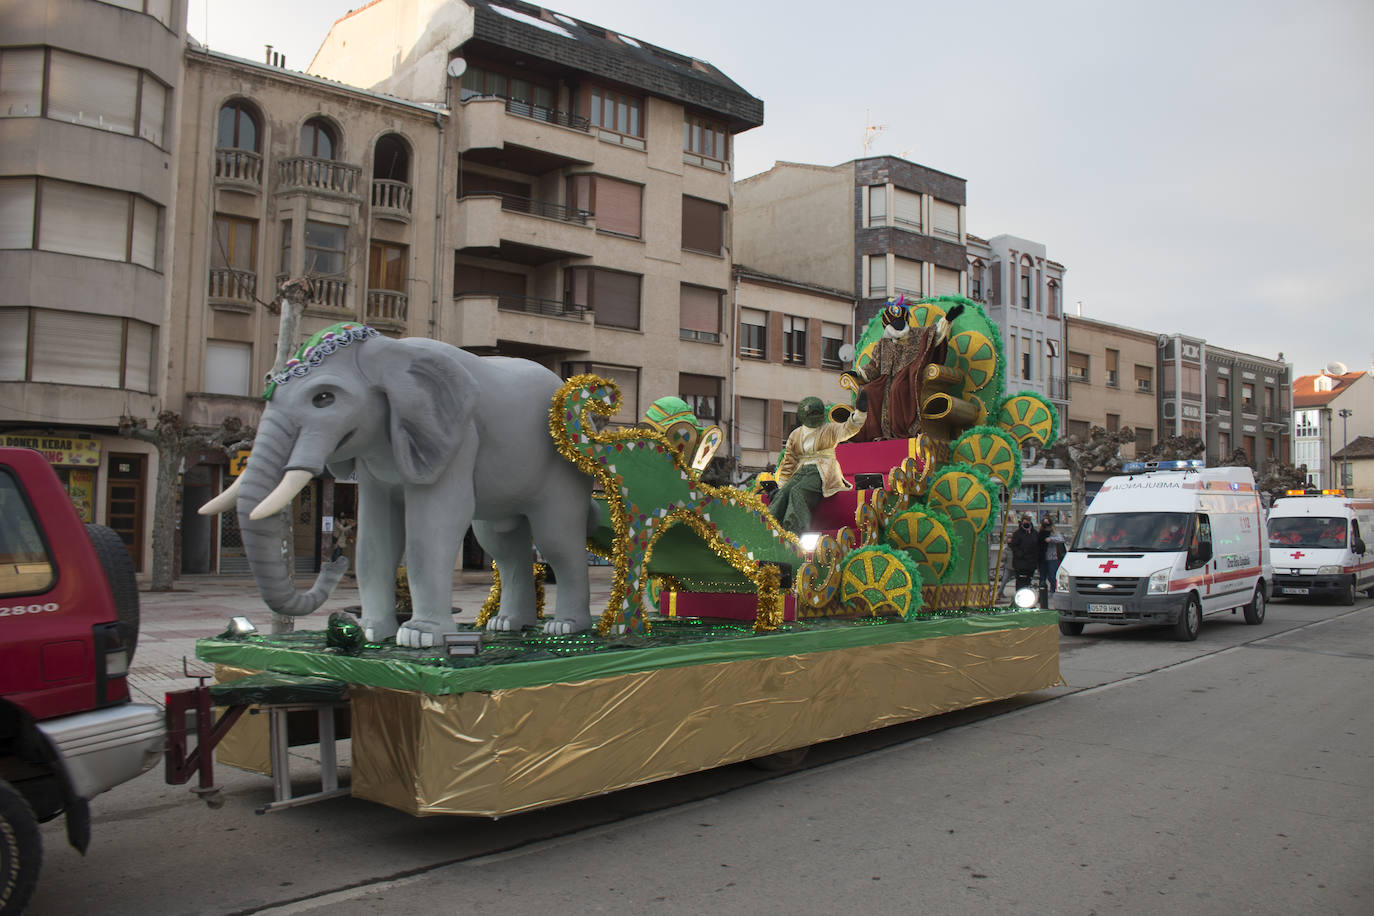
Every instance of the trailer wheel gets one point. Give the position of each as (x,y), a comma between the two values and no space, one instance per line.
(782,761)
(1348,593)
(119,569)
(21,850)
(1069,628)
(1190,621)
(1254,611)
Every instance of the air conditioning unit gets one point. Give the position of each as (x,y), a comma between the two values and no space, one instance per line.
(1169,409)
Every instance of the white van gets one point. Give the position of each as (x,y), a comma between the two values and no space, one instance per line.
(1317,542)
(1165,543)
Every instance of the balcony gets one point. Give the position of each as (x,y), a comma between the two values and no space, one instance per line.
(551,307)
(232,290)
(387,308)
(523,137)
(238,169)
(521,230)
(1056,387)
(325,296)
(483,319)
(392,199)
(319,176)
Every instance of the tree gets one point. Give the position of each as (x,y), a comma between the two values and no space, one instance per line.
(1099,451)
(175,440)
(1175,448)
(1278,478)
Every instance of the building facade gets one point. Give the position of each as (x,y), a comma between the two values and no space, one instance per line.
(876,228)
(1111,378)
(88,181)
(1330,411)
(1249,407)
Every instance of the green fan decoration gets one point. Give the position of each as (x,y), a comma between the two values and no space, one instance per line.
(878,579)
(1030,419)
(994,450)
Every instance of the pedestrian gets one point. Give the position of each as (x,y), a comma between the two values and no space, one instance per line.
(1050,548)
(1024,555)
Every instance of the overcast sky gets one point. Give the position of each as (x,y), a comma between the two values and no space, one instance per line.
(1197,167)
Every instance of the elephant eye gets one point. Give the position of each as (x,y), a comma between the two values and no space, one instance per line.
(323,399)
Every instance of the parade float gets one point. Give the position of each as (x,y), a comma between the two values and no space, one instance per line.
(725,638)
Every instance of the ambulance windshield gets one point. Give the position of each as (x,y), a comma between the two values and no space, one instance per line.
(1134,531)
(1307,531)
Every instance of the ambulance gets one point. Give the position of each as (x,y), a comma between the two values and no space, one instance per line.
(1164,544)
(1317,542)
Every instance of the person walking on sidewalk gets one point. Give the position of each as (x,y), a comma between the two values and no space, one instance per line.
(1050,547)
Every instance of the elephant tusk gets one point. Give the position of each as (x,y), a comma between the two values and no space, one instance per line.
(224,501)
(292,482)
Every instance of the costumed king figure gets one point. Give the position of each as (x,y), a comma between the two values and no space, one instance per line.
(809,468)
(892,377)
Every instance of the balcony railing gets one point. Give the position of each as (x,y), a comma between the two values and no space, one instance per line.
(514,204)
(391,197)
(306,173)
(533,306)
(548,115)
(387,305)
(238,166)
(233,287)
(1056,387)
(324,292)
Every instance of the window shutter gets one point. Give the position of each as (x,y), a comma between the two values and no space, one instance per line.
(753,422)
(144,250)
(946,282)
(77,349)
(228,367)
(92,92)
(618,206)
(21,82)
(907,277)
(700,310)
(138,357)
(702,225)
(14,343)
(16,212)
(944,219)
(91,222)
(907,209)
(615,297)
(152,110)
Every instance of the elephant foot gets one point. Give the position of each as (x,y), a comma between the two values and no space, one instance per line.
(563,626)
(423,634)
(504,623)
(375,631)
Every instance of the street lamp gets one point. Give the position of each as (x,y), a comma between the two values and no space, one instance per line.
(1345,413)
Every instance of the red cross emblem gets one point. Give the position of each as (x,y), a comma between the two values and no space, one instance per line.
(1298,554)
(1108,566)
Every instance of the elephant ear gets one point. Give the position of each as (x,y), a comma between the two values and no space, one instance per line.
(431,395)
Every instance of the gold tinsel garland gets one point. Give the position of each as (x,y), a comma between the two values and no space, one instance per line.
(493,602)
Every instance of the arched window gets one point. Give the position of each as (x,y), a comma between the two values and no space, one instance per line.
(391,159)
(318,139)
(238,127)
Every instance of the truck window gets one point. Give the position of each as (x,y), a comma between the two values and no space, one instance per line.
(25,566)
(1133,531)
(1307,531)
(1200,547)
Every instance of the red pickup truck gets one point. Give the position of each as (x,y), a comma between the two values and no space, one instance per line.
(68,625)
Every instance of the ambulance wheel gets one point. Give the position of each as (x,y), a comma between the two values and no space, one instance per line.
(1190,621)
(1369,592)
(1070,629)
(1254,611)
(1348,593)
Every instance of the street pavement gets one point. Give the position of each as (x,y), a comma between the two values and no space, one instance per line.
(200,606)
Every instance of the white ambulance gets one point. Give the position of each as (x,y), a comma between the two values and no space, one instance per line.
(1166,543)
(1317,542)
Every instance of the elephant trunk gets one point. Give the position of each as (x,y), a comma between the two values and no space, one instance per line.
(263,539)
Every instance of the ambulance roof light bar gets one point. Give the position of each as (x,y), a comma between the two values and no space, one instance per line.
(1314,492)
(1141,467)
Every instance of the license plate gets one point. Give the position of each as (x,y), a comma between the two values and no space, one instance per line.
(1106,609)
(1294,591)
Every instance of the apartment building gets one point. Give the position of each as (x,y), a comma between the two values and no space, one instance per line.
(876,228)
(88,175)
(1023,291)
(1111,373)
(790,340)
(1249,406)
(1330,411)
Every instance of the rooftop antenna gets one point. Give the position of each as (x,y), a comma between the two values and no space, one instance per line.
(871,130)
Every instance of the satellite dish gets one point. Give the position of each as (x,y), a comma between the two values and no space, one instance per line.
(846,353)
(1335,368)
(457,67)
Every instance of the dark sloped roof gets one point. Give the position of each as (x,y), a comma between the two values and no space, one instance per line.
(1359,447)
(512,25)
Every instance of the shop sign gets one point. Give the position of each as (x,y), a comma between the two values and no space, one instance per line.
(237,462)
(60,451)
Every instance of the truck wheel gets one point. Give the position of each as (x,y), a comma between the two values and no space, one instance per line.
(1190,621)
(1070,629)
(1348,593)
(119,569)
(21,850)
(1254,611)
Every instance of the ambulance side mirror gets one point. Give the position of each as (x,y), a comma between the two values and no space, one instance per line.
(1199,555)
(1359,546)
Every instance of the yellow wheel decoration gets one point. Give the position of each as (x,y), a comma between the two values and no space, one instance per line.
(926,539)
(1028,419)
(990,452)
(875,582)
(959,494)
(925,314)
(977,358)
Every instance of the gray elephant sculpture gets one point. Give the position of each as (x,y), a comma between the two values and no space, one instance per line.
(438,439)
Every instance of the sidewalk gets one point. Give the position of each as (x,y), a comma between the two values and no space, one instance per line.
(200,607)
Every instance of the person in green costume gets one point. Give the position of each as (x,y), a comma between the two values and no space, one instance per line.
(809,468)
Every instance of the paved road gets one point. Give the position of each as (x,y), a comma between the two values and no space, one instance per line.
(1232,774)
